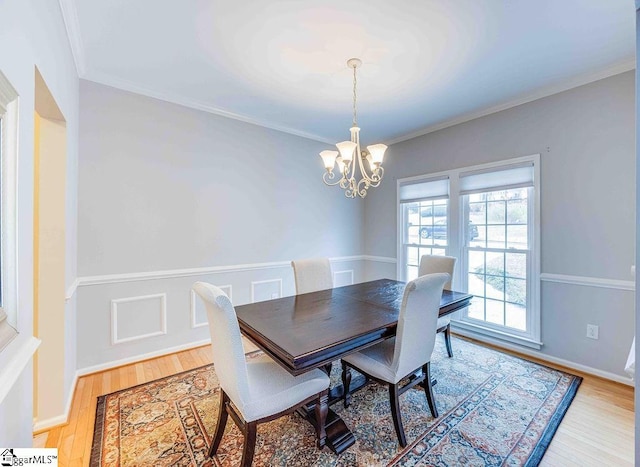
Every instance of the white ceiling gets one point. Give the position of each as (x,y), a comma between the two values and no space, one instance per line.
(282,64)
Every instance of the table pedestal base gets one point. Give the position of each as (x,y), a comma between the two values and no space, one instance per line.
(339,436)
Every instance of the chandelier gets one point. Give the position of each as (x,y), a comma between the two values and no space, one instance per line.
(350,150)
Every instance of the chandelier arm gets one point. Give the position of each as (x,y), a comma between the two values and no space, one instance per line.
(348,172)
(376,177)
(330,176)
(363,186)
(379,174)
(350,193)
(370,177)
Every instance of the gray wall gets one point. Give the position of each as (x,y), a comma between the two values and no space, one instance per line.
(586,140)
(164,189)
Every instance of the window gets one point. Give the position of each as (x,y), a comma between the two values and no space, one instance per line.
(496,260)
(425,213)
(8,159)
(488,219)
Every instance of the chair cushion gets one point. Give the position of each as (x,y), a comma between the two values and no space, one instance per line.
(274,390)
(377,361)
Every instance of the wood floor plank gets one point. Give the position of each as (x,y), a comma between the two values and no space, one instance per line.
(175,362)
(115,381)
(598,429)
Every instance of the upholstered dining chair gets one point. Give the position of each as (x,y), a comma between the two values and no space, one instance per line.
(312,275)
(259,389)
(408,354)
(428,265)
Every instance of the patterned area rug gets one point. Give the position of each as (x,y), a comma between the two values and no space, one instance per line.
(495,409)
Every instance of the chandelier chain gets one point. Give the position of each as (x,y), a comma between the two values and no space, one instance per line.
(355,117)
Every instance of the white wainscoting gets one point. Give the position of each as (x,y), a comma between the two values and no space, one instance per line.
(108,305)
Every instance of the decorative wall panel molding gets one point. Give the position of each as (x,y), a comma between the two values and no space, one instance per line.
(342,278)
(125,313)
(198,311)
(266,290)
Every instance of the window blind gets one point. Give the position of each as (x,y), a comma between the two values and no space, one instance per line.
(500,178)
(424,190)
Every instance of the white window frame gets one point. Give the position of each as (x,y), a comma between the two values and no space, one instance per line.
(457,247)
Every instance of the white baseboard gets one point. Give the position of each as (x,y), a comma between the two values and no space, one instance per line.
(43,425)
(138,358)
(548,358)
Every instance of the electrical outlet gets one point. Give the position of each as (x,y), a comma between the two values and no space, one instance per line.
(592,331)
(275,295)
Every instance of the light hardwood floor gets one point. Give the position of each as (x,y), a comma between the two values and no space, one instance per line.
(598,429)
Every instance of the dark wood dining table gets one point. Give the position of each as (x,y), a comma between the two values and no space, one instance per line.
(308,331)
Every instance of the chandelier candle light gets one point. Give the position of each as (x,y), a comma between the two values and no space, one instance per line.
(348,150)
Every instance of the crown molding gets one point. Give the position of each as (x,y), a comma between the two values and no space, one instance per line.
(108,80)
(72,25)
(546,91)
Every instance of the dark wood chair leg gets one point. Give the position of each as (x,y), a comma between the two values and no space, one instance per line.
(395,413)
(321,411)
(428,389)
(327,368)
(220,425)
(447,339)
(346,382)
(249,448)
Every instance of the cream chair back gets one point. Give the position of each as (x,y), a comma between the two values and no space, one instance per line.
(430,264)
(228,354)
(312,275)
(416,331)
